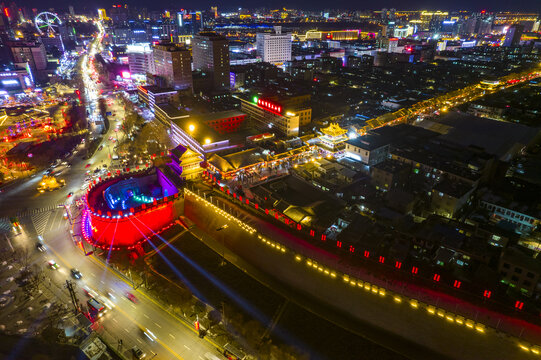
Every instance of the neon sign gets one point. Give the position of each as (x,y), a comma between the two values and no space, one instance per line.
(270,106)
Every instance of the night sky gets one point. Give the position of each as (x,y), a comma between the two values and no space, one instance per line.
(493,5)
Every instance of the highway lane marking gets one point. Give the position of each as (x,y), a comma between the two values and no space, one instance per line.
(133,306)
(187,325)
(158,325)
(172,336)
(187,347)
(115,320)
(142,327)
(126,330)
(145,315)
(139,341)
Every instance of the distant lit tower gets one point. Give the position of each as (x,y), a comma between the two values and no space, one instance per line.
(214,9)
(102,14)
(71,10)
(514,33)
(384,14)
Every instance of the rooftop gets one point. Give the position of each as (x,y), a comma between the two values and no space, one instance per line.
(498,138)
(369,142)
(456,189)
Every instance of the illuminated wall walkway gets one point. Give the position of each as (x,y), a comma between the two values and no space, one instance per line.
(446,325)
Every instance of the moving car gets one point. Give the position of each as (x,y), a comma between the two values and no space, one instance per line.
(76,274)
(150,335)
(40,247)
(53,265)
(138,353)
(131,297)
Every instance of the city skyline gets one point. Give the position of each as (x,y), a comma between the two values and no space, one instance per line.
(476,5)
(287,183)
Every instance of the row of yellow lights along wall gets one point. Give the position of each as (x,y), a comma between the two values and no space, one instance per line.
(219,211)
(370,288)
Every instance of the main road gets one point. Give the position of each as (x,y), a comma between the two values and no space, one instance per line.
(127,320)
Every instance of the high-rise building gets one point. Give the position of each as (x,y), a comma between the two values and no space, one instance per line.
(514,33)
(32,53)
(71,10)
(274,48)
(119,14)
(140,59)
(169,30)
(173,65)
(214,9)
(211,55)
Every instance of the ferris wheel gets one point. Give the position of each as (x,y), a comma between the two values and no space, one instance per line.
(47,23)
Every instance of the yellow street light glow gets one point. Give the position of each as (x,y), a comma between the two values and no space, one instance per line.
(431,310)
(469,324)
(397,299)
(524,347)
(298,258)
(381,292)
(480,328)
(207,141)
(414,304)
(535,350)
(191,128)
(367,286)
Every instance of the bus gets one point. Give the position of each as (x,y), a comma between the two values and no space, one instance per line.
(96,309)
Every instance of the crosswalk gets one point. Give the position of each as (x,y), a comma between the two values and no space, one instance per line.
(30,212)
(5,225)
(40,221)
(39,217)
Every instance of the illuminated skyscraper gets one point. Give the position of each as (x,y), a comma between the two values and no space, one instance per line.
(211,55)
(173,64)
(514,33)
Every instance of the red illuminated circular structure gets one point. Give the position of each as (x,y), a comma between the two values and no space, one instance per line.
(125,210)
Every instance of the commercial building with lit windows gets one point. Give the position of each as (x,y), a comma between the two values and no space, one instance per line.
(153,95)
(274,48)
(275,114)
(205,133)
(211,55)
(173,66)
(16,81)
